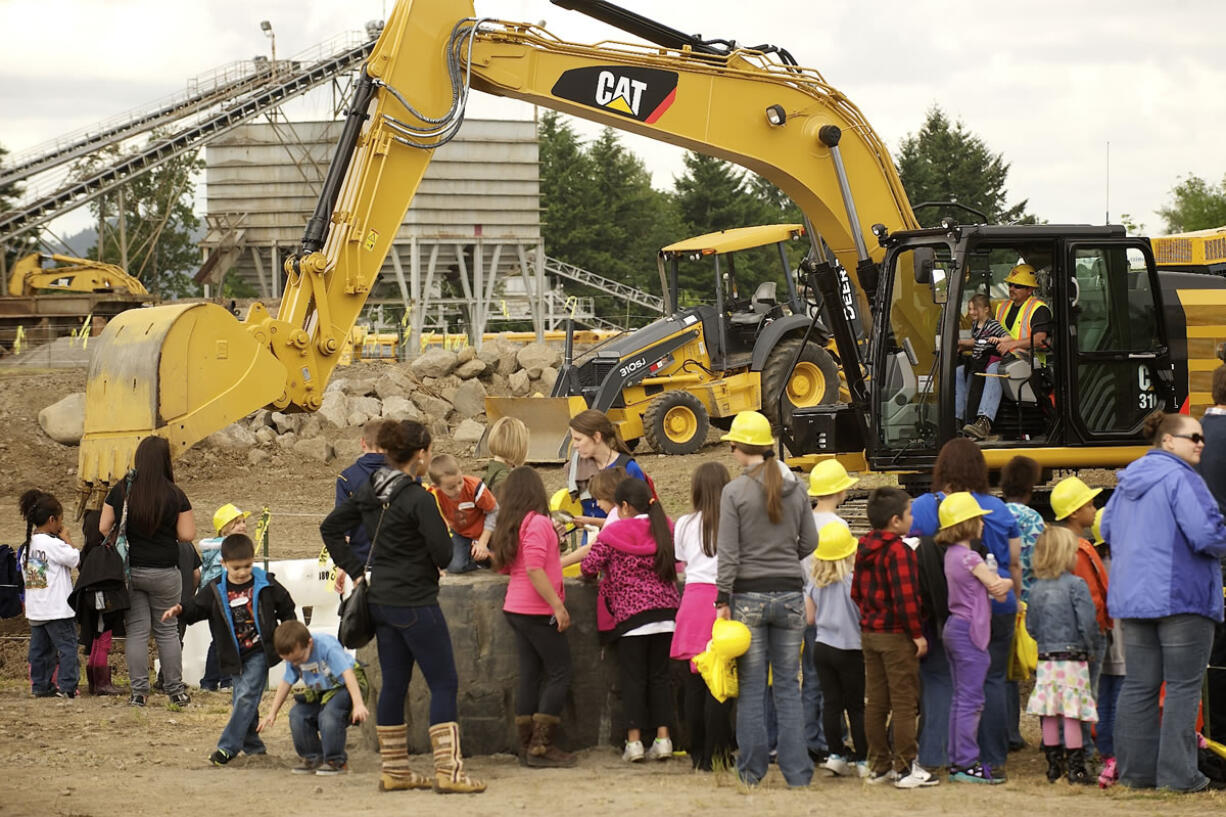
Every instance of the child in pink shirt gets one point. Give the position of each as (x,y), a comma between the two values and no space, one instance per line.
(525,546)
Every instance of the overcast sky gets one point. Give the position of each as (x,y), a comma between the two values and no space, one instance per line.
(1048,84)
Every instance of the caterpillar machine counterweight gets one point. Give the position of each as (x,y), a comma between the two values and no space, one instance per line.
(183,371)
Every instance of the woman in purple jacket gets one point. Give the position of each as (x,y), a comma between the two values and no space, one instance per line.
(1166,536)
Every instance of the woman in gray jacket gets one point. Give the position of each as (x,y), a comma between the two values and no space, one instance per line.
(765,529)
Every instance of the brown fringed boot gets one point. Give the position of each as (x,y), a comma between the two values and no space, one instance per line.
(542,754)
(523,732)
(395,773)
(449,777)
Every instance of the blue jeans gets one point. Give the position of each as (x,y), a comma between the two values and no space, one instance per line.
(1174,650)
(811,696)
(776,622)
(994,725)
(409,635)
(989,401)
(51,643)
(1108,696)
(319,729)
(239,734)
(936,691)
(461,555)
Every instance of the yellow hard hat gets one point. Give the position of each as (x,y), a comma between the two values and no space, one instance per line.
(1071,494)
(959,507)
(750,428)
(829,477)
(1022,275)
(564,502)
(1096,530)
(226,514)
(834,542)
(729,639)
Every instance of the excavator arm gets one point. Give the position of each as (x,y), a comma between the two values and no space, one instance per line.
(184,371)
(78,275)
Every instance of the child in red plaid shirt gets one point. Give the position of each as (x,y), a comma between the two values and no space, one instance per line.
(885,586)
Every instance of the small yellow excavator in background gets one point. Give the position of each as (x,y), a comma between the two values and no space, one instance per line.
(30,277)
(182,371)
(669,381)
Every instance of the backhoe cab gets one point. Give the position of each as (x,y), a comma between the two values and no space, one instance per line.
(716,353)
(1109,361)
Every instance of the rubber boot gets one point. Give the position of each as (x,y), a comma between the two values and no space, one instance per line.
(102,676)
(523,730)
(1055,762)
(542,754)
(449,777)
(1077,773)
(395,774)
(89,677)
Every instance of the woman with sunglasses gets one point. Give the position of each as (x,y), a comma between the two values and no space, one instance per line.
(1166,536)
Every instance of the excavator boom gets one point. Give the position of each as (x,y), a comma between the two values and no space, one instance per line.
(78,275)
(183,372)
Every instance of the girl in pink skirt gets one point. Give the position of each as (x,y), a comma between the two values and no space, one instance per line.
(1061,618)
(710,722)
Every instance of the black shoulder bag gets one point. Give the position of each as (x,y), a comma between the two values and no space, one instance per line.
(357,628)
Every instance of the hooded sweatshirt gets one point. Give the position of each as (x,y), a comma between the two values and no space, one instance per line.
(1166,534)
(631,592)
(409,538)
(756,556)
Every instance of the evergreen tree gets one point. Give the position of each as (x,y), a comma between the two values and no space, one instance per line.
(946,162)
(1198,205)
(157,225)
(10,193)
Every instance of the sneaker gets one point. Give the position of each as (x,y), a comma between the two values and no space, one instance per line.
(306,766)
(918,777)
(661,749)
(862,768)
(978,430)
(874,778)
(220,758)
(838,766)
(72,693)
(136,699)
(181,699)
(45,693)
(975,773)
(329,768)
(634,751)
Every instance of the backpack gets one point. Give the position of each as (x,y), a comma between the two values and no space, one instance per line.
(11,583)
(625,459)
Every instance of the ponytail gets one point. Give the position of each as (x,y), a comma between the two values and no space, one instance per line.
(772,479)
(635,493)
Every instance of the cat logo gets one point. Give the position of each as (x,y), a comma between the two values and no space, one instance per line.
(638,93)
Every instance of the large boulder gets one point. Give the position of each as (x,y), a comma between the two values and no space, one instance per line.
(335,409)
(260,418)
(287,440)
(468,432)
(285,423)
(491,351)
(471,369)
(400,408)
(313,426)
(469,399)
(265,435)
(316,448)
(362,410)
(434,362)
(538,356)
(520,384)
(234,435)
(359,385)
(431,406)
(548,376)
(64,420)
(466,355)
(395,382)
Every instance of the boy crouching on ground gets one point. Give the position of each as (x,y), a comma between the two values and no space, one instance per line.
(244,605)
(333,697)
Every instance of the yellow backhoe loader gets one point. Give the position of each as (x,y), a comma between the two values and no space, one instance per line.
(185,370)
(671,380)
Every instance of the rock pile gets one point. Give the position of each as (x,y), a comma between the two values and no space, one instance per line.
(446,390)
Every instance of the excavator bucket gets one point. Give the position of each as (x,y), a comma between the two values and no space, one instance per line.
(181,372)
(547,419)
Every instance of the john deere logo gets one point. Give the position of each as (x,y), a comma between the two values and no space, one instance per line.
(639,93)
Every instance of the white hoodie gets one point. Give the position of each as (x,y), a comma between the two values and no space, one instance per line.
(48,577)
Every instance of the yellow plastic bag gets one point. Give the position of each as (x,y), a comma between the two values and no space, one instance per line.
(719,674)
(1024,657)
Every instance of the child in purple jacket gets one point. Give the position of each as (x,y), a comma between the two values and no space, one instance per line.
(635,555)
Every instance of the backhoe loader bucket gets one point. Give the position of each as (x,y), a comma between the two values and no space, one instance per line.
(181,372)
(547,419)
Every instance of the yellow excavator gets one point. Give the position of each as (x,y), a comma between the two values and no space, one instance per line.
(182,371)
(30,276)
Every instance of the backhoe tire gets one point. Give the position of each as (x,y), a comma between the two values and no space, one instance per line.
(676,422)
(814,382)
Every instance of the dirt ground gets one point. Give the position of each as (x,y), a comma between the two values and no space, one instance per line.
(93,757)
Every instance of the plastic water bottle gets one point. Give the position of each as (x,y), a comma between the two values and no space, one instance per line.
(992,565)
